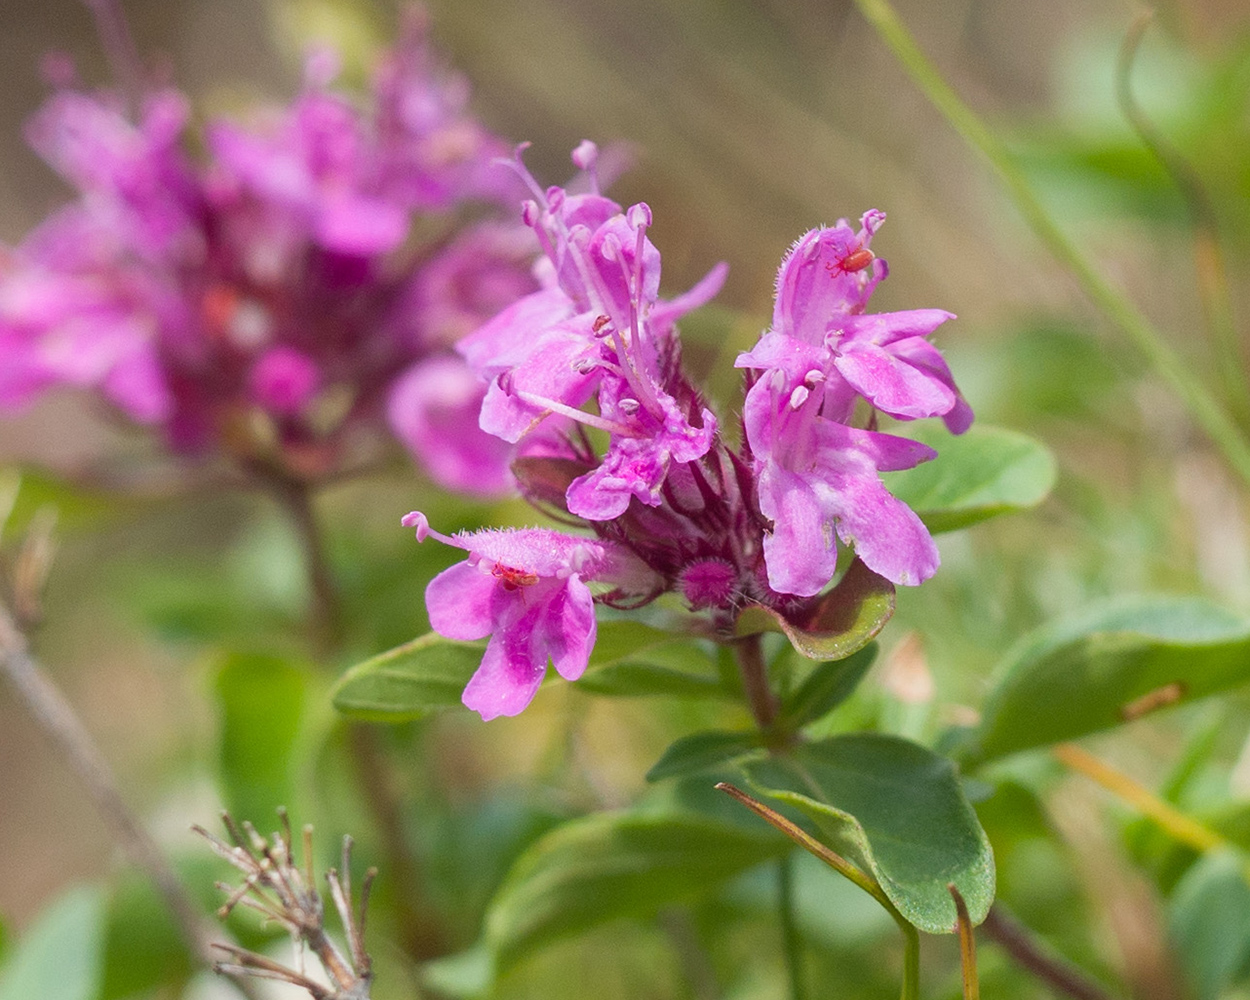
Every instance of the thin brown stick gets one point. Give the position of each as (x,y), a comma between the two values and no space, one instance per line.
(1038,959)
(967,945)
(59,722)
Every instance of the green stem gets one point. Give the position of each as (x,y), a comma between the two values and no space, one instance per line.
(791,943)
(911,958)
(1209,257)
(1209,415)
(420,935)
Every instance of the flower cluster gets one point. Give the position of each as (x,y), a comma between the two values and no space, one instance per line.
(671,505)
(302,282)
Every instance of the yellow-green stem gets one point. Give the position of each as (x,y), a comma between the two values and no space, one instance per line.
(1208,413)
(1173,822)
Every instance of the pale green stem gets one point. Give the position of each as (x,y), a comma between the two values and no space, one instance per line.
(1213,290)
(792,944)
(1208,413)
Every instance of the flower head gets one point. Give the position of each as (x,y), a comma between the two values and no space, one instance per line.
(670,503)
(596,329)
(266,300)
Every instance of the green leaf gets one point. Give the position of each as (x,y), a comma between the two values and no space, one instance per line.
(702,752)
(632,679)
(1209,921)
(896,810)
(631,659)
(60,955)
(143,950)
(612,865)
(844,621)
(429,673)
(977,475)
(828,686)
(410,681)
(1107,666)
(261,699)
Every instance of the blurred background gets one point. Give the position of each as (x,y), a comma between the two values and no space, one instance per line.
(748,122)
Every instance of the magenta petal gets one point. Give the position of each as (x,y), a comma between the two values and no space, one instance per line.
(433,409)
(892,385)
(707,288)
(506,340)
(886,533)
(927,358)
(509,677)
(793,356)
(460,602)
(851,448)
(800,553)
(361,226)
(137,384)
(569,630)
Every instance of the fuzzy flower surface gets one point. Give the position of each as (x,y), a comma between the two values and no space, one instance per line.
(267,298)
(527,589)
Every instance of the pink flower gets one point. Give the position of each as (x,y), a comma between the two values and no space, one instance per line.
(817,476)
(433,410)
(283,275)
(819,480)
(526,589)
(598,329)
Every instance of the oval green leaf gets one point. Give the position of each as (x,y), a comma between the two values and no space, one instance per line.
(429,673)
(844,621)
(60,956)
(896,810)
(825,689)
(612,865)
(1107,666)
(412,680)
(977,475)
(700,752)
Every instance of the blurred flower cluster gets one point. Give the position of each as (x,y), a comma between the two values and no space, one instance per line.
(293,287)
(673,506)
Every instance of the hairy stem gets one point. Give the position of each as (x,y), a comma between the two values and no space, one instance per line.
(750,655)
(59,722)
(1208,413)
(325,615)
(1032,955)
